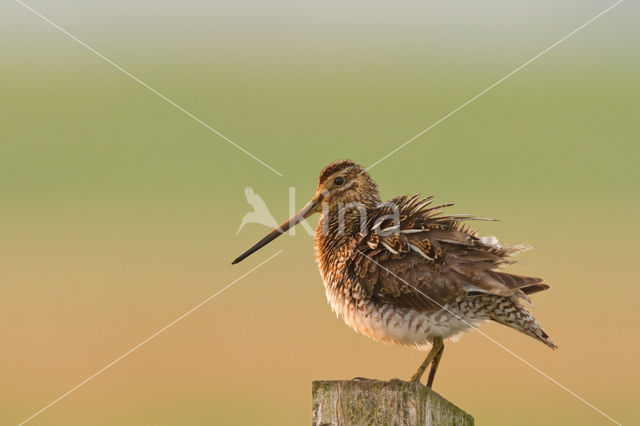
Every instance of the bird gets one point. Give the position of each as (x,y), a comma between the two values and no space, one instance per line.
(260,213)
(405,272)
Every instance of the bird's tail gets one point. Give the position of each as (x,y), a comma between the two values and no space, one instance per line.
(512,313)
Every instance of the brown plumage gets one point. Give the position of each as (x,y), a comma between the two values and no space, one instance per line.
(405,272)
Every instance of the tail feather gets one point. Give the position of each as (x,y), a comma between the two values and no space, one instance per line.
(528,285)
(510,312)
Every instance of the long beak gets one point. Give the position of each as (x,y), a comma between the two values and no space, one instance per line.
(306,211)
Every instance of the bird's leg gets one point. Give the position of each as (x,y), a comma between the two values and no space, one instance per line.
(437,345)
(435,362)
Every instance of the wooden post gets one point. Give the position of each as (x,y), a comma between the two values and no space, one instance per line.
(375,402)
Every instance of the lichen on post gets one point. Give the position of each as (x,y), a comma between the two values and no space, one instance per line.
(376,402)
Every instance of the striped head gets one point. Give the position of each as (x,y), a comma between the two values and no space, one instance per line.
(344,182)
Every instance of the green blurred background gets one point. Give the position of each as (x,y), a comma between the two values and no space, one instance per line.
(118,212)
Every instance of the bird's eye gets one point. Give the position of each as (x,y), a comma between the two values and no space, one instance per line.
(339,181)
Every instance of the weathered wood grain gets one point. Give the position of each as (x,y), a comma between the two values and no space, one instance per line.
(375,402)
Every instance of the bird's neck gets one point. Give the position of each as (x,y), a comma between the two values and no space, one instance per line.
(343,222)
(336,235)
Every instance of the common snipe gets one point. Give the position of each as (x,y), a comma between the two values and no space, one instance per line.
(403,272)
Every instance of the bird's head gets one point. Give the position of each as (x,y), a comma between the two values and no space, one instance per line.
(344,182)
(341,184)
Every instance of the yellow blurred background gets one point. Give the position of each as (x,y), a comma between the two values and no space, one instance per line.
(118,212)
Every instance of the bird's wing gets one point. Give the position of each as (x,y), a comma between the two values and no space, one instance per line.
(433,259)
(249,194)
(255,200)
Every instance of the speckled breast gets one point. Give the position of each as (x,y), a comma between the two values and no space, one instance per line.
(385,322)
